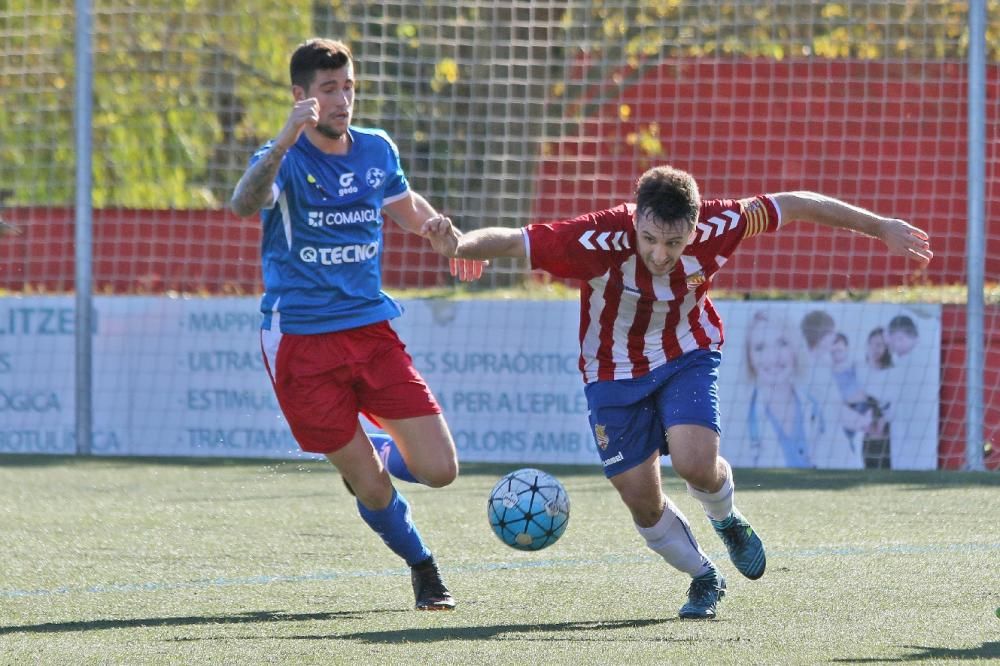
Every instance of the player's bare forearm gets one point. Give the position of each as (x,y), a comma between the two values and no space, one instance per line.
(412,212)
(490,243)
(253,192)
(479,245)
(899,236)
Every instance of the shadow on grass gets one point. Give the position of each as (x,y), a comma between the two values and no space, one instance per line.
(437,634)
(985,651)
(184,621)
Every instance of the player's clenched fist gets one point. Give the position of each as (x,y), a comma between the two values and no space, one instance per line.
(442,235)
(305,112)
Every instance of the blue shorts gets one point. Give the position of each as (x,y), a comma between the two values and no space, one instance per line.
(630,417)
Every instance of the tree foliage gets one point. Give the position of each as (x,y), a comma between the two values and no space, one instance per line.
(184,90)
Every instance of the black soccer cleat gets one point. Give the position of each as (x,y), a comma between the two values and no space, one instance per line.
(428,588)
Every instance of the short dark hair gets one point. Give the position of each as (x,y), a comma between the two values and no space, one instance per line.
(902,324)
(314,55)
(668,195)
(815,326)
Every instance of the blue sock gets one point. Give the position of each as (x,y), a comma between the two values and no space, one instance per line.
(392,458)
(395,525)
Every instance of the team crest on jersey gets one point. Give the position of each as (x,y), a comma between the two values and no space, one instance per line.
(375,177)
(601,435)
(696,280)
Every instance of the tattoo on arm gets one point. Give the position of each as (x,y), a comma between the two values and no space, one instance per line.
(254,189)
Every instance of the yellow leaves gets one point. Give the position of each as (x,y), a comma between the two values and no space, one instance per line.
(842,42)
(835,44)
(647,139)
(833,10)
(407,32)
(445,74)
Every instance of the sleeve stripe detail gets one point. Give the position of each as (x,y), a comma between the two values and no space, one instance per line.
(756,219)
(395,197)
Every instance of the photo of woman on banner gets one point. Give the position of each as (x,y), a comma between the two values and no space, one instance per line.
(788,426)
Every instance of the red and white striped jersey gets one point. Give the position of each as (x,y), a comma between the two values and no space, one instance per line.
(630,321)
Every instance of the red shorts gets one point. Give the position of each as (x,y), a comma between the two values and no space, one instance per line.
(323,381)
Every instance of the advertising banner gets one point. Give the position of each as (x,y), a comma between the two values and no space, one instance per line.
(829,385)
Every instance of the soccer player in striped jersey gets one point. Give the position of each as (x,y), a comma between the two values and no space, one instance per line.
(321,187)
(650,342)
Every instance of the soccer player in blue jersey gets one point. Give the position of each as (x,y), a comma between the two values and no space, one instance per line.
(321,187)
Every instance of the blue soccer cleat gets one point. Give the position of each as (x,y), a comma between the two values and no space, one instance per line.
(703,596)
(745,548)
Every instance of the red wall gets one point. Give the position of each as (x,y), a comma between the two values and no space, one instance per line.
(887,136)
(155,251)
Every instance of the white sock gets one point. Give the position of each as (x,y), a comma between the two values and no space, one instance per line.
(718,505)
(672,539)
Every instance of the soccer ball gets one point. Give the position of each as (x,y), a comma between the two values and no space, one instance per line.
(528,509)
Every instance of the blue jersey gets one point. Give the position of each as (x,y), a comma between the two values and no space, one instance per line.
(322,238)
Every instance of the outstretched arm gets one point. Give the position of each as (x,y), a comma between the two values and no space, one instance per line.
(900,237)
(481,244)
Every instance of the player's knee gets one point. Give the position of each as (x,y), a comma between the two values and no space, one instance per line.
(645,508)
(374,492)
(700,473)
(440,475)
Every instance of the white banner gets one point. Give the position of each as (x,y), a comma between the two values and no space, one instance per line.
(184,377)
(830,385)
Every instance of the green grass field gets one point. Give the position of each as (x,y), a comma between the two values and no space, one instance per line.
(211,562)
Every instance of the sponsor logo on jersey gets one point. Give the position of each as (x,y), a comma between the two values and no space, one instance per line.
(330,218)
(601,435)
(347,185)
(340,254)
(375,177)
